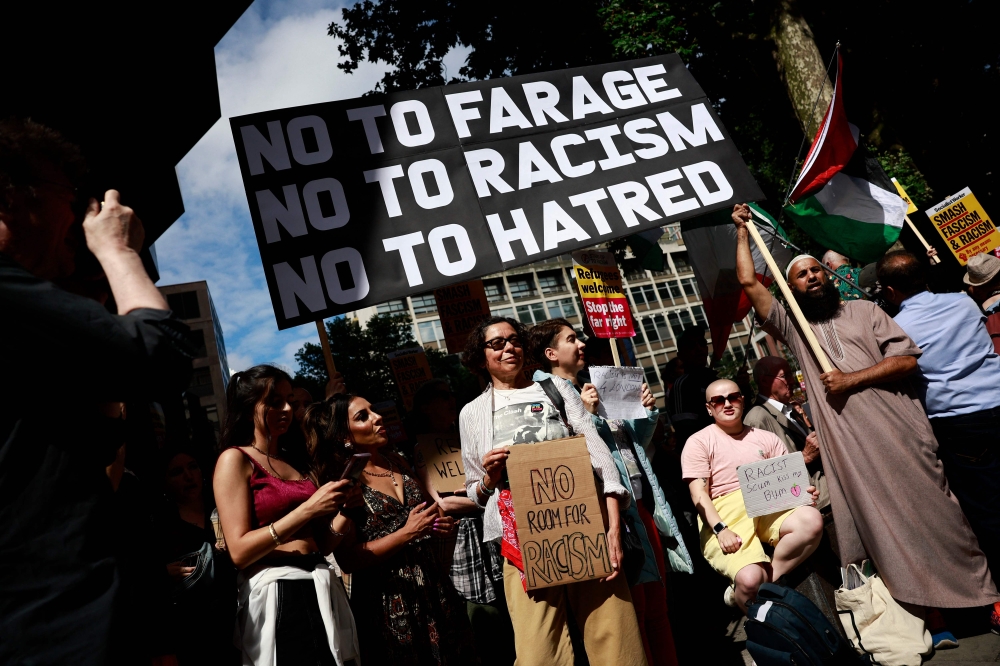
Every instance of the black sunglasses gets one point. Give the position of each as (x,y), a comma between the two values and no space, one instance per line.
(720,400)
(499,344)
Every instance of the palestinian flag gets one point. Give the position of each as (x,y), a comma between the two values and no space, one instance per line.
(645,247)
(842,198)
(711,244)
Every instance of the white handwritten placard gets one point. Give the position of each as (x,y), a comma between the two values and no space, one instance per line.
(774,484)
(620,390)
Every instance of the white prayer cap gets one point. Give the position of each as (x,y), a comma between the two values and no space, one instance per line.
(788,268)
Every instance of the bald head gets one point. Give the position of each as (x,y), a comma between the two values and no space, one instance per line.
(834,260)
(721,387)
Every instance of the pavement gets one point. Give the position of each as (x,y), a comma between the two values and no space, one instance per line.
(976,648)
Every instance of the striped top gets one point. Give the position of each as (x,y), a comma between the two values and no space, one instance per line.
(475,426)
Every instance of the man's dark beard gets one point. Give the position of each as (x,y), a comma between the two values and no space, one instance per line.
(819,306)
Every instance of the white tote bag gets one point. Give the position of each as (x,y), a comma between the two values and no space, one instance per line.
(878,626)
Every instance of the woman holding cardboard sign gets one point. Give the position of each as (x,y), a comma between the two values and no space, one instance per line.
(730,540)
(512,410)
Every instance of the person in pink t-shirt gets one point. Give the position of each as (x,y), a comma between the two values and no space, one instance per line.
(730,540)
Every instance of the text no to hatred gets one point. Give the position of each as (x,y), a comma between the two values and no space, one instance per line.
(520,228)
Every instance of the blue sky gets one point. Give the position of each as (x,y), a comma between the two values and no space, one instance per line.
(277,55)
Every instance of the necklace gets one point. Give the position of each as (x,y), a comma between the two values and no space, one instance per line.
(388,474)
(268,456)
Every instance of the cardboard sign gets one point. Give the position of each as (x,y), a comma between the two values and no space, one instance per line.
(390,419)
(461,307)
(774,484)
(361,201)
(558,513)
(620,390)
(604,302)
(441,453)
(911,208)
(964,226)
(411,369)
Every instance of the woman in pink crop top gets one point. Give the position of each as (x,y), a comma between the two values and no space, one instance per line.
(278,526)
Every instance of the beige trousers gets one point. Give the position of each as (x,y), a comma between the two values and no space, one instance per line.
(602,610)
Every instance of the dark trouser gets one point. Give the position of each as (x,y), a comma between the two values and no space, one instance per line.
(969,447)
(300,635)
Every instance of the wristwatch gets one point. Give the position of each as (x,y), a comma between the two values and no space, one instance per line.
(719,526)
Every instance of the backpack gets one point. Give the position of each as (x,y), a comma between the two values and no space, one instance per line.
(784,627)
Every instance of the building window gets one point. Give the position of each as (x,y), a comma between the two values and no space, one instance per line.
(212,412)
(201,382)
(197,339)
(430,331)
(636,275)
(655,328)
(644,295)
(392,307)
(651,378)
(494,290)
(531,314)
(521,287)
(670,291)
(690,287)
(424,303)
(680,261)
(679,320)
(184,304)
(699,315)
(551,282)
(503,312)
(561,308)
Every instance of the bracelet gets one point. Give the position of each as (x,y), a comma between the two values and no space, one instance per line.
(486,491)
(335,532)
(274,534)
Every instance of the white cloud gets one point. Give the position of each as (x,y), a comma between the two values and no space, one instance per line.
(277,55)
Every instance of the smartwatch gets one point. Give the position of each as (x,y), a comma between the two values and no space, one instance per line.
(719,526)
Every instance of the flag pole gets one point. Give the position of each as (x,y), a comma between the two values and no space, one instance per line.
(920,237)
(807,332)
(324,340)
(787,243)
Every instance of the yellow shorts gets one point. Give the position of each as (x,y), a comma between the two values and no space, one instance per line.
(752,530)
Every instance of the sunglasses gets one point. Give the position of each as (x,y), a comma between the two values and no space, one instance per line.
(499,344)
(720,400)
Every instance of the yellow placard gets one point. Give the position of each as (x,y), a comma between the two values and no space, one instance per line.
(965,227)
(910,206)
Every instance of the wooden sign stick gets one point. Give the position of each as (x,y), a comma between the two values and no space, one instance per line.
(331,369)
(779,277)
(920,237)
(614,352)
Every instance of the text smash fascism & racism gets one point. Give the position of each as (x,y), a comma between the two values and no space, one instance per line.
(361,201)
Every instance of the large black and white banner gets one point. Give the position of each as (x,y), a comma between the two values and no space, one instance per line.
(361,201)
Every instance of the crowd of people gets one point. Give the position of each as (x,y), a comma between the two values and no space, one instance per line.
(309,539)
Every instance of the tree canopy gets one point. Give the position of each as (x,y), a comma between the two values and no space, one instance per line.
(917,91)
(360,355)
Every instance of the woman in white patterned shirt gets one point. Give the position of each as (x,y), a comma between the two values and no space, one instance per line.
(512,410)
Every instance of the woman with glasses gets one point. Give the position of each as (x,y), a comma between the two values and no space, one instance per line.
(730,540)
(513,410)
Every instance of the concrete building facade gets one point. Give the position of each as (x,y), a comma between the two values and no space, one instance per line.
(664,303)
(192,303)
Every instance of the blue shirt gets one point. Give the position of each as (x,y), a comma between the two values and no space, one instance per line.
(959,370)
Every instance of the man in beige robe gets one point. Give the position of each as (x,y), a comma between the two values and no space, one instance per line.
(888,491)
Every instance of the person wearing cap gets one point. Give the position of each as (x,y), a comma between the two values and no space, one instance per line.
(983,277)
(958,384)
(841,265)
(889,495)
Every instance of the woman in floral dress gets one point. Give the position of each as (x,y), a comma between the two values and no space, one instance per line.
(407,609)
